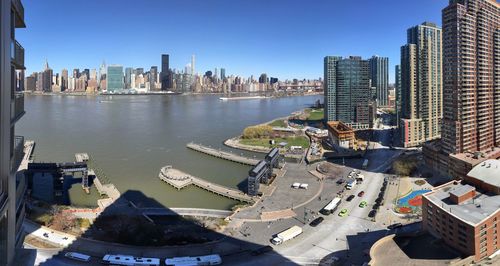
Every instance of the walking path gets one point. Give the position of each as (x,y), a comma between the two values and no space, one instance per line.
(223,155)
(179,180)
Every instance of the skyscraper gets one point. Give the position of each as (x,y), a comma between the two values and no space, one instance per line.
(379,74)
(222,74)
(76,73)
(114,78)
(347,91)
(421,85)
(12,186)
(102,71)
(192,65)
(153,72)
(471,79)
(397,86)
(471,87)
(165,74)
(64,79)
(128,77)
(47,78)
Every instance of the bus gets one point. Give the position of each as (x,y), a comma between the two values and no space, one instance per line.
(214,259)
(331,206)
(127,260)
(77,256)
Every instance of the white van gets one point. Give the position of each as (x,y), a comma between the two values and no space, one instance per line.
(295,185)
(304,186)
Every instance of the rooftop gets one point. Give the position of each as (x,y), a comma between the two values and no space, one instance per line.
(472,211)
(477,157)
(487,172)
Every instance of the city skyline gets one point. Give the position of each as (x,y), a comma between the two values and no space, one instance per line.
(222,39)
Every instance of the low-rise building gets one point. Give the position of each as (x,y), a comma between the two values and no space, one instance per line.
(466,217)
(341,135)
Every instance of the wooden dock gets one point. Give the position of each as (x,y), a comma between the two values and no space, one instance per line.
(179,180)
(222,155)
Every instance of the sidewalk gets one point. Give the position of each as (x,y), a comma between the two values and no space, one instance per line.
(56,238)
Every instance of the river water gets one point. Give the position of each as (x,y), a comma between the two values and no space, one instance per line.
(131,137)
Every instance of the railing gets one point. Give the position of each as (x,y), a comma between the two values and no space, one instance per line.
(17,55)
(17,107)
(18,6)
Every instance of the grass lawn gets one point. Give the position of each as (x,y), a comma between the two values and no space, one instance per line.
(316,114)
(291,141)
(278,123)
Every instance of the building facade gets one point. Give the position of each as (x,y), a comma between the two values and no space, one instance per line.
(12,187)
(379,75)
(421,85)
(165,75)
(466,215)
(471,119)
(114,78)
(471,85)
(347,91)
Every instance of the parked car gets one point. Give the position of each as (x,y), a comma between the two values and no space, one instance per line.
(261,250)
(316,221)
(372,213)
(363,204)
(395,226)
(360,194)
(350,198)
(340,181)
(343,213)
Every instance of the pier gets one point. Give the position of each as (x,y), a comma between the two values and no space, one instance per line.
(223,155)
(179,180)
(29,145)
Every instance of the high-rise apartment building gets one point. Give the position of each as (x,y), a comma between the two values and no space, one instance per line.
(471,87)
(12,186)
(421,85)
(347,91)
(397,87)
(379,75)
(114,78)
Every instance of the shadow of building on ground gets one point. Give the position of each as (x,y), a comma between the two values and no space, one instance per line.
(158,232)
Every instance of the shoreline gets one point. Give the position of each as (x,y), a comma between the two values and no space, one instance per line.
(235,143)
(243,94)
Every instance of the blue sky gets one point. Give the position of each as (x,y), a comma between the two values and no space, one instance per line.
(283,38)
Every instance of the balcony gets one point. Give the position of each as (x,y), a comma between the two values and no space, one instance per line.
(19,12)
(17,55)
(18,154)
(17,108)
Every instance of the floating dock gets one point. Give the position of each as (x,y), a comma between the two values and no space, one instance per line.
(223,155)
(179,180)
